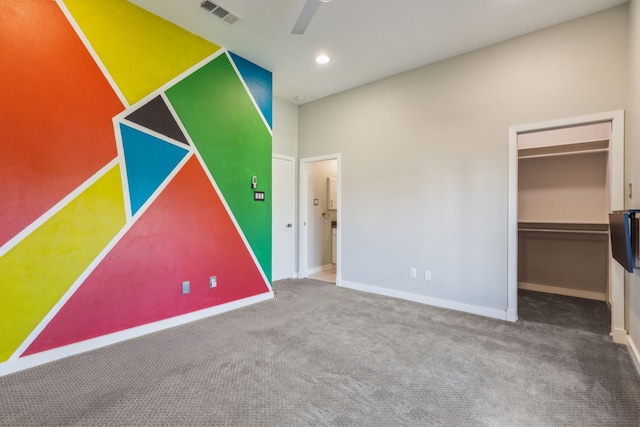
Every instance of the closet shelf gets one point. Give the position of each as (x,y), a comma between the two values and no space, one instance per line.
(589,147)
(535,156)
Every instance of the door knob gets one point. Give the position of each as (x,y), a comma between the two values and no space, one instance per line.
(289,225)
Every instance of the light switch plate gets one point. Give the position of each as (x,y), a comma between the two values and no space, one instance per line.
(186,287)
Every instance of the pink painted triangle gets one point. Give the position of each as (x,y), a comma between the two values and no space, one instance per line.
(185,235)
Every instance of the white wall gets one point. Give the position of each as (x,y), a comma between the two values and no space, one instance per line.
(425,153)
(632,164)
(285,128)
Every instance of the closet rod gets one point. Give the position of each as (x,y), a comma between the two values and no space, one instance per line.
(556,230)
(564,153)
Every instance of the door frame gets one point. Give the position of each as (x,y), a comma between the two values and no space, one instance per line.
(617,199)
(303,243)
(293,209)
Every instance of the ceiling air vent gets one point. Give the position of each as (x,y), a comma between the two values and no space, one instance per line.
(218,11)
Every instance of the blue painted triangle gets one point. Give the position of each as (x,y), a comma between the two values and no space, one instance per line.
(260,85)
(149,161)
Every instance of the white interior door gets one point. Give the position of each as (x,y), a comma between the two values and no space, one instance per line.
(282,216)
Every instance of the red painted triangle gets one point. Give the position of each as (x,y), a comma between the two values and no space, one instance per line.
(186,234)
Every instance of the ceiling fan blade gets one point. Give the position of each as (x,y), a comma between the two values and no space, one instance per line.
(305,16)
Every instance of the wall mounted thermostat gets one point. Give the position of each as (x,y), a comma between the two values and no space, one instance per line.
(254,182)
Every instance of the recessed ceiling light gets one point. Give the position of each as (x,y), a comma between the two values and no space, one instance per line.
(322,59)
(300,98)
(326,1)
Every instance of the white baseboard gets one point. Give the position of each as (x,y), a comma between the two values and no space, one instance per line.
(453,305)
(635,353)
(26,362)
(619,336)
(326,267)
(599,296)
(512,316)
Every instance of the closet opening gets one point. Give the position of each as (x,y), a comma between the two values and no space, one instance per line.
(565,178)
(563,206)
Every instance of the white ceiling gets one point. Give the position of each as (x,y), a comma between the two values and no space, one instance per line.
(366,39)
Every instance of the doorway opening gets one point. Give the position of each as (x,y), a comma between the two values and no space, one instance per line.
(543,218)
(320,219)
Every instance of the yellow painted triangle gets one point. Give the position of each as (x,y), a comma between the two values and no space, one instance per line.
(140,50)
(38,271)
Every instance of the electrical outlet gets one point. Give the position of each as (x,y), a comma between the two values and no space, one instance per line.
(427,275)
(413,273)
(186,287)
(213,281)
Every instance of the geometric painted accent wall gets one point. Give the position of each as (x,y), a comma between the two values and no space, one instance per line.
(234,153)
(156,116)
(140,51)
(130,149)
(55,113)
(259,83)
(146,173)
(137,281)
